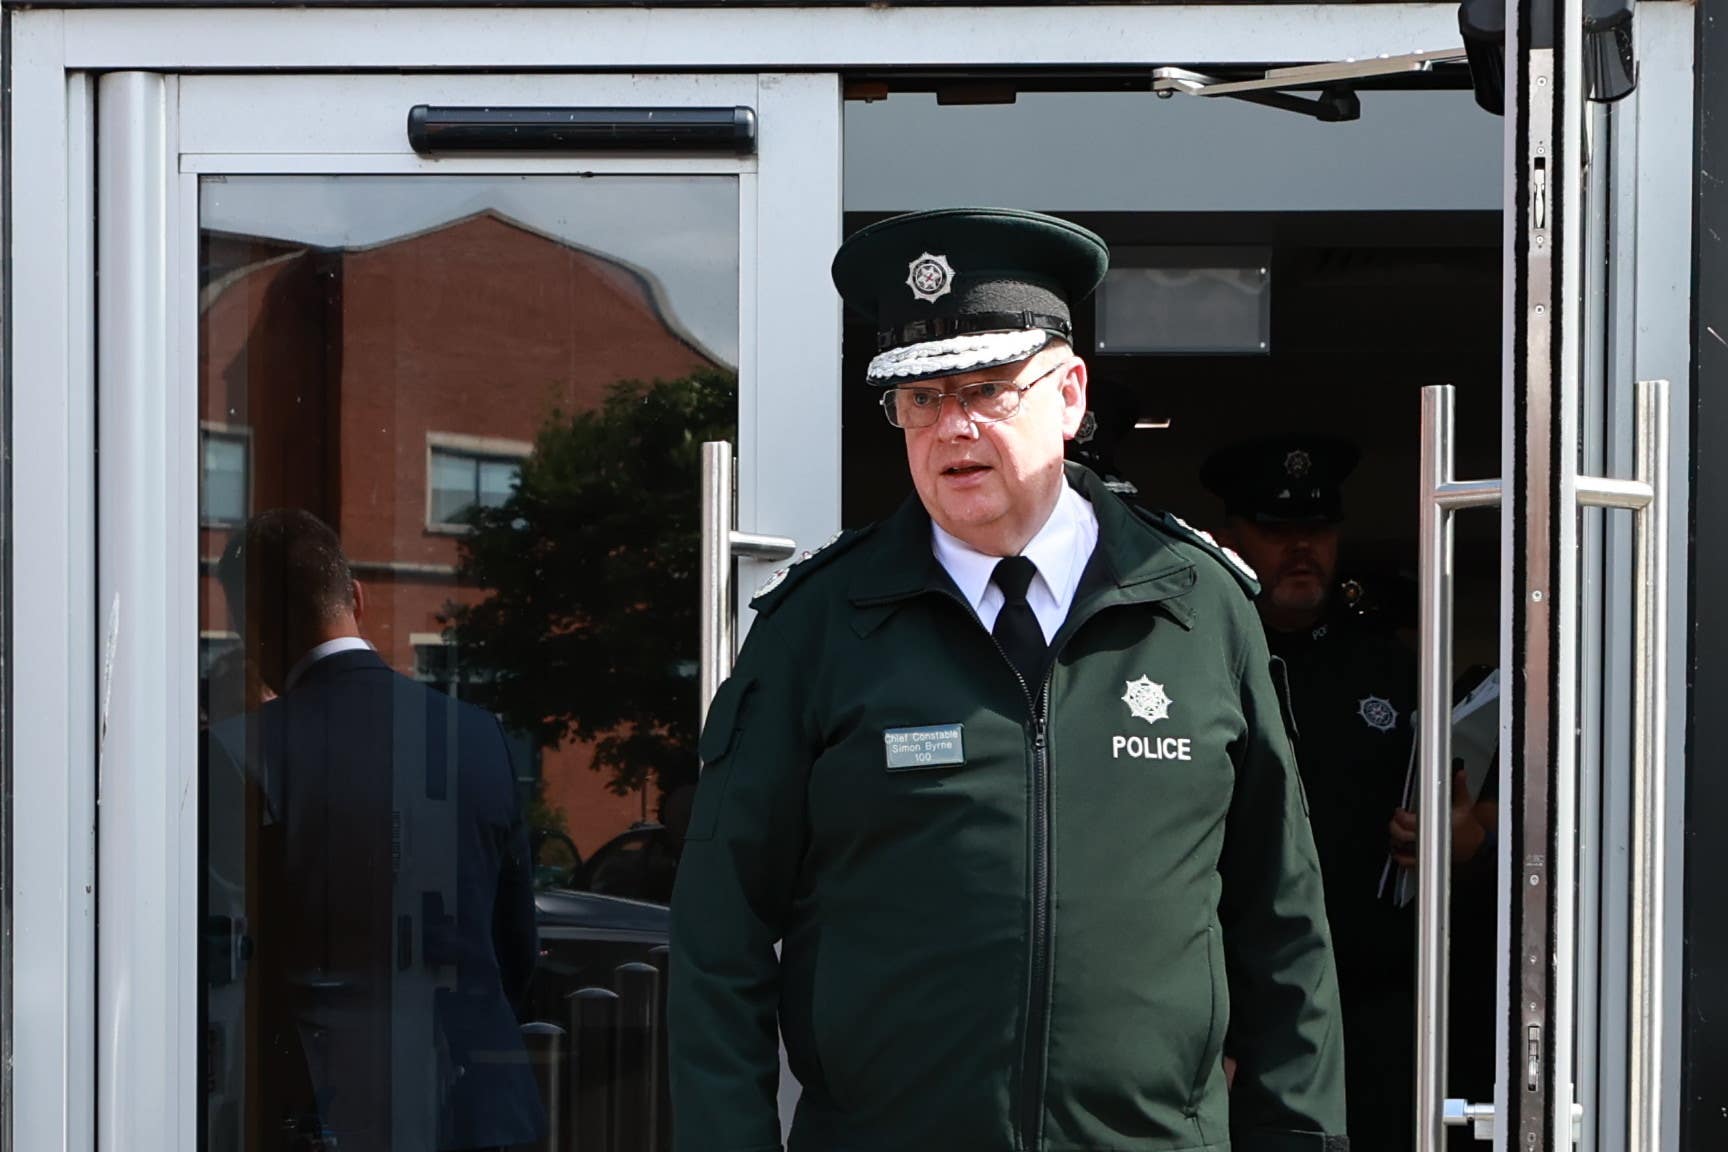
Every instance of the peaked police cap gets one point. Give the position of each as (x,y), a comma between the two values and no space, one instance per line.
(1282,479)
(959,289)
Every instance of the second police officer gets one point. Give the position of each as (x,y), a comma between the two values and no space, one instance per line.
(1353,688)
(999,824)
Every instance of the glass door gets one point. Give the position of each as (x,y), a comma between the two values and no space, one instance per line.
(1592,477)
(426,432)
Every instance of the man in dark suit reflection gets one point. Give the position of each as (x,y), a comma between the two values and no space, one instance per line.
(397,917)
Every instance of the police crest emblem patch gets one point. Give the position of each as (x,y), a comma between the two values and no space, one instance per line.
(930,277)
(1147,700)
(1378,713)
(780,575)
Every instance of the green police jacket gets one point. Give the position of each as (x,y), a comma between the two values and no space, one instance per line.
(1000,931)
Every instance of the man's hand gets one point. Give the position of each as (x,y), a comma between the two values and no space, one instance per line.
(1468,828)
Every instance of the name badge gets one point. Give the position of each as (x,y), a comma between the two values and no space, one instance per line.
(912,748)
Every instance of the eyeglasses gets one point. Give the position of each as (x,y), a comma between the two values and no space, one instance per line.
(984,402)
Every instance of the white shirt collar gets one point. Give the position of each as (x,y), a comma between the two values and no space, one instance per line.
(969,568)
(328,648)
(1059,550)
(1064,544)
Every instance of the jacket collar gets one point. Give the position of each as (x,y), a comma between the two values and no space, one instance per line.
(1132,562)
(337,663)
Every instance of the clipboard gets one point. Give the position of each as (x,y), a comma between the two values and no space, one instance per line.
(1475,742)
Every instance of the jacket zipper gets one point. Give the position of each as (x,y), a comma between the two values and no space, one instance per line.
(1037,987)
(1036,1039)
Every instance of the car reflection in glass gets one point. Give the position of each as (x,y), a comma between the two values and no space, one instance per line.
(598,913)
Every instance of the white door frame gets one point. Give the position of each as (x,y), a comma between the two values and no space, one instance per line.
(60,698)
(148,389)
(108,1044)
(753,39)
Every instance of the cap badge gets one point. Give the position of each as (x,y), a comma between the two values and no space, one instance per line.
(1147,699)
(1297,464)
(930,277)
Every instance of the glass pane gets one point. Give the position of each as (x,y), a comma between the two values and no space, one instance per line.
(452,487)
(497,480)
(435,664)
(418,740)
(224,492)
(1189,305)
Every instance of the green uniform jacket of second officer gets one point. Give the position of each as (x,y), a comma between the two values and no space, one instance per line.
(1033,933)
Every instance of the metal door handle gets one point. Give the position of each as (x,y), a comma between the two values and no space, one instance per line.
(1441,497)
(721,544)
(1457,1113)
(1483,1121)
(1646,495)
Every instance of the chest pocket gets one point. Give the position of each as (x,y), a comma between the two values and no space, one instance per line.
(720,736)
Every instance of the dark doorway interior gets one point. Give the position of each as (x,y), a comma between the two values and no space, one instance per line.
(1366,309)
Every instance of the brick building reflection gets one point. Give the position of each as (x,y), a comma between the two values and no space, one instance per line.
(368,384)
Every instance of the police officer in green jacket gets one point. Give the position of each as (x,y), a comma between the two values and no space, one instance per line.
(999,824)
(1352,690)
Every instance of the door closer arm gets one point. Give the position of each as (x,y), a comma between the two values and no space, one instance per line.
(1336,99)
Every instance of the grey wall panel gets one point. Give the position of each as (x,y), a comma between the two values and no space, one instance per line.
(1410,151)
(1704,1027)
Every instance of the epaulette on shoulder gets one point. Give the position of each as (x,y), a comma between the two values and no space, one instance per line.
(780,585)
(1173,525)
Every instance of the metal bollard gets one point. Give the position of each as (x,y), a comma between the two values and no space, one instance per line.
(546,1056)
(593,1052)
(635,1103)
(661,958)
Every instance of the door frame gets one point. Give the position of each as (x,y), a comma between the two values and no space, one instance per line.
(52,55)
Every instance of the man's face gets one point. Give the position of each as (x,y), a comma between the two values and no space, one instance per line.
(1296,563)
(993,485)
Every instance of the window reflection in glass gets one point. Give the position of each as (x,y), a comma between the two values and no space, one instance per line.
(448,640)
(463,481)
(223,491)
(494,480)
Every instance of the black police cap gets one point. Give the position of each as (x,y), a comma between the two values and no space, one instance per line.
(958,289)
(1280,479)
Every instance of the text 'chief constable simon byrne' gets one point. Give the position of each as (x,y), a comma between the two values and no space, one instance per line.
(1027,831)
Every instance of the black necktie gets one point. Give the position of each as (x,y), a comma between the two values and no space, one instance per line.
(1017,627)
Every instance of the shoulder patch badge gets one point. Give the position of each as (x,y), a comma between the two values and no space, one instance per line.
(1172,525)
(780,575)
(1377,712)
(1229,554)
(770,593)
